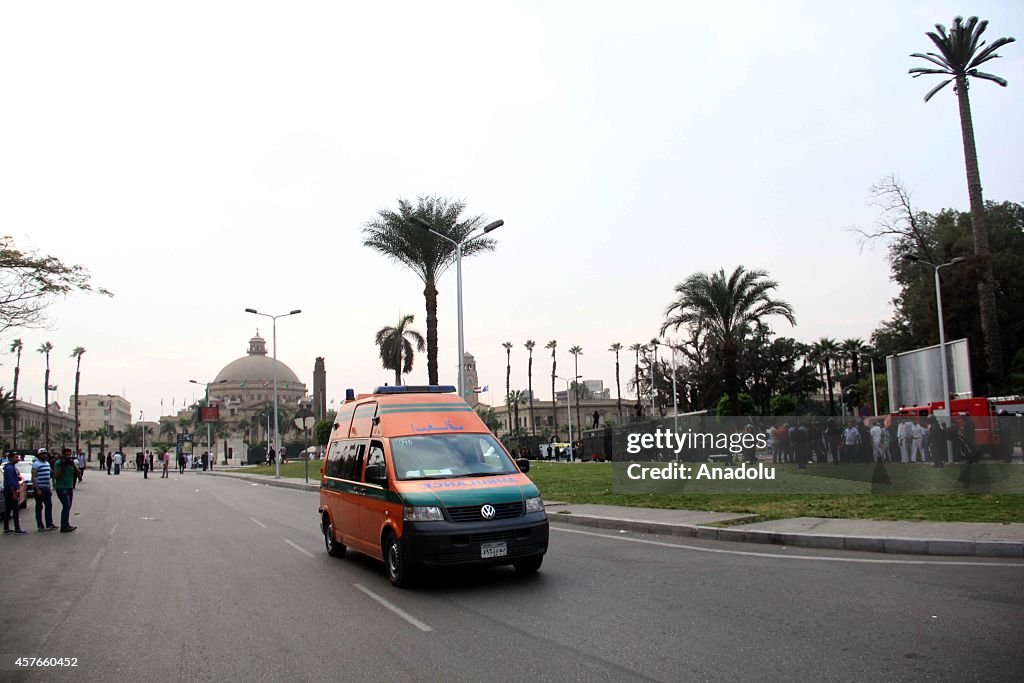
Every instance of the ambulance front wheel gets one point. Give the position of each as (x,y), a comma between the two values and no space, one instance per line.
(529,566)
(396,562)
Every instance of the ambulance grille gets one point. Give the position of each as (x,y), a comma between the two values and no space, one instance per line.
(471,513)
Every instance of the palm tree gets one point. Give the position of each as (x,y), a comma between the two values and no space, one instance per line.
(16,348)
(577,351)
(529,382)
(77,355)
(854,349)
(515,399)
(30,434)
(396,235)
(508,378)
(636,370)
(62,437)
(396,347)
(121,435)
(725,308)
(615,348)
(88,435)
(167,428)
(45,348)
(553,345)
(961,52)
(6,409)
(826,350)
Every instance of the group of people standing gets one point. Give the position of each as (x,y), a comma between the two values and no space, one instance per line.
(60,477)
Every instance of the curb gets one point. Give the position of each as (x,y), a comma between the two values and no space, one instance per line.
(282,483)
(877,544)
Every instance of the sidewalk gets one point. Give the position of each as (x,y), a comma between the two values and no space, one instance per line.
(908,538)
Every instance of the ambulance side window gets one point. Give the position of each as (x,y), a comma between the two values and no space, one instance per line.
(354,462)
(376,468)
(334,459)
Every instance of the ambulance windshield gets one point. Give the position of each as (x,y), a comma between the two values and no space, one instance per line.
(443,456)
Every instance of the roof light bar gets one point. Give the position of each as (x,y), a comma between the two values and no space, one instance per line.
(425,389)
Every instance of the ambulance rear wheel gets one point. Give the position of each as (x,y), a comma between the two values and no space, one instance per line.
(400,571)
(334,549)
(529,566)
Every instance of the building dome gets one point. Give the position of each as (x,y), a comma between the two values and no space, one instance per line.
(256,368)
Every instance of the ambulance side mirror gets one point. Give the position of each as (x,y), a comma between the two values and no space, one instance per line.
(524,465)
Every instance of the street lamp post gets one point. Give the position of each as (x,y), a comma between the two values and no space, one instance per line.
(303,419)
(142,428)
(942,343)
(277,428)
(568,407)
(458,286)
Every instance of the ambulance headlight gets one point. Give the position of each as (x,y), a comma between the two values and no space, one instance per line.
(534,504)
(422,513)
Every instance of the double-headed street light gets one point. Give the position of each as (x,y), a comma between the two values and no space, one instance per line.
(568,406)
(942,340)
(277,430)
(458,276)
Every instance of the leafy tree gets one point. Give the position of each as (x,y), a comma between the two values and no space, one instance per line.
(322,431)
(515,399)
(7,411)
(29,283)
(726,406)
(45,349)
(783,404)
(16,347)
(397,235)
(167,428)
(615,348)
(396,347)
(529,381)
(77,355)
(725,308)
(961,52)
(553,345)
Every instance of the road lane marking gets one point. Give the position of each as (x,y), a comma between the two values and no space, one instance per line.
(820,558)
(114,528)
(99,555)
(258,522)
(301,550)
(394,608)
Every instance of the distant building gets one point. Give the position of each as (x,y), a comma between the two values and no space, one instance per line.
(607,412)
(104,411)
(33,417)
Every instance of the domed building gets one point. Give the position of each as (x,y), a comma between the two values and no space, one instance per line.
(245,386)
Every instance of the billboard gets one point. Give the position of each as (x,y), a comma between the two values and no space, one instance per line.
(915,377)
(209,414)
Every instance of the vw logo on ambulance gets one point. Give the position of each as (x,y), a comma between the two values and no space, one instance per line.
(487,512)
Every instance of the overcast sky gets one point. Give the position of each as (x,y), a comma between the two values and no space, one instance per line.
(202,158)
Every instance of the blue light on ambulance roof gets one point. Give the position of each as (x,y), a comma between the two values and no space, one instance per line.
(425,389)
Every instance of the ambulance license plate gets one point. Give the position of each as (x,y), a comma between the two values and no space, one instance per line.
(488,550)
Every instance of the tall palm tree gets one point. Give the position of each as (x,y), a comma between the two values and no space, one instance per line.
(615,348)
(826,350)
(88,435)
(724,308)
(508,379)
(77,355)
(16,348)
(515,399)
(854,349)
(529,382)
(553,345)
(635,348)
(45,349)
(396,347)
(168,429)
(576,352)
(961,52)
(396,235)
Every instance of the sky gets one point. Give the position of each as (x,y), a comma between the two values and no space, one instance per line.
(200,158)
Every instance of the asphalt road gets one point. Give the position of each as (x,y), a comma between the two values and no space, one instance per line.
(201,578)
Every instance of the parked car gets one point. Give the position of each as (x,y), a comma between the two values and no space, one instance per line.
(25,470)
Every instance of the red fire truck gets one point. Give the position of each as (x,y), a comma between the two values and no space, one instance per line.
(981,409)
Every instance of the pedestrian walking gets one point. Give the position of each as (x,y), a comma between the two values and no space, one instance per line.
(166,459)
(12,495)
(145,466)
(64,474)
(118,461)
(41,483)
(905,432)
(110,461)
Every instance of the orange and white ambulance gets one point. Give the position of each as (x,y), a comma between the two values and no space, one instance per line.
(413,477)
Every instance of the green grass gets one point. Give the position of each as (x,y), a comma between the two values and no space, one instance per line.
(293,470)
(592,483)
